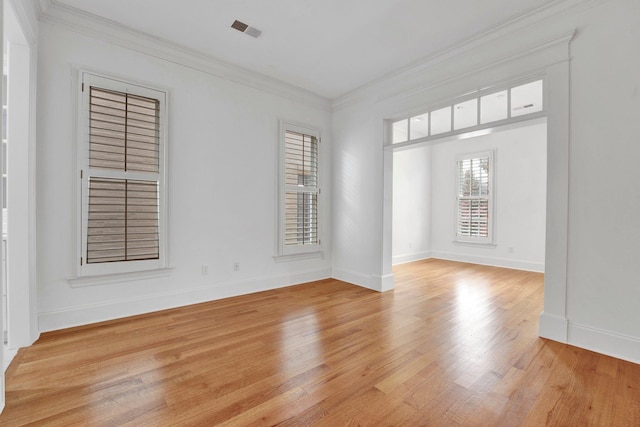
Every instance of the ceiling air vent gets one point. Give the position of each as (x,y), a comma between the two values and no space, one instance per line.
(244,28)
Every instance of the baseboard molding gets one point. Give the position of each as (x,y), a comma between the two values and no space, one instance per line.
(403,259)
(553,327)
(55,320)
(8,356)
(492,261)
(612,344)
(606,342)
(359,279)
(384,283)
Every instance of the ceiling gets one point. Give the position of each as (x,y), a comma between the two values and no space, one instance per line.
(329,47)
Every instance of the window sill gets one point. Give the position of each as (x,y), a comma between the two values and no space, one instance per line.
(488,245)
(297,257)
(103,279)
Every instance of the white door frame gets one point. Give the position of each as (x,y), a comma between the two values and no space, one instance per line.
(551,60)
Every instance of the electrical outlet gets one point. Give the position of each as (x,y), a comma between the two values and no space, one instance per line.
(236,266)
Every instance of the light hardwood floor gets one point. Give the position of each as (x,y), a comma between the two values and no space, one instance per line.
(453,344)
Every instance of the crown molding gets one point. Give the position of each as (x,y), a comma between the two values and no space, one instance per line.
(503,30)
(52,12)
(553,56)
(41,6)
(27,13)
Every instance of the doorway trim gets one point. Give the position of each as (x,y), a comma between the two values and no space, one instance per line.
(22,299)
(551,60)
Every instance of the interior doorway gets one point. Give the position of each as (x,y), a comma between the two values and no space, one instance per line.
(426,208)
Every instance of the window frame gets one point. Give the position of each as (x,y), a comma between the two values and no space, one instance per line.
(285,252)
(117,270)
(391,142)
(491,197)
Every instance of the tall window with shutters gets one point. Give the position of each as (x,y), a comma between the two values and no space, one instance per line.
(474,201)
(122,174)
(299,226)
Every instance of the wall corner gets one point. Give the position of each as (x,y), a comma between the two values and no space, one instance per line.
(553,327)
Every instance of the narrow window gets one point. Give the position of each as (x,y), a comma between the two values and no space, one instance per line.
(474,198)
(122,177)
(300,190)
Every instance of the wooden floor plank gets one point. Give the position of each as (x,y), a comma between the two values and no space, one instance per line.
(454,344)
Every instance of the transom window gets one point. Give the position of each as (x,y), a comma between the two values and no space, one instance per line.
(480,111)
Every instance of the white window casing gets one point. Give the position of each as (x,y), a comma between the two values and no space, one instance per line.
(300,196)
(121,168)
(475,198)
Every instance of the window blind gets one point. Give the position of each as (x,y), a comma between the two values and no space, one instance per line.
(301,189)
(123,213)
(473,197)
(123,220)
(124,132)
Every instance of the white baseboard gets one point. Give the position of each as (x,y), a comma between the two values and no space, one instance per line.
(492,261)
(612,344)
(384,283)
(54,320)
(403,259)
(606,342)
(553,327)
(8,356)
(359,279)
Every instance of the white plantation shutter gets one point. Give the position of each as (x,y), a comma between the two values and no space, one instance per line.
(301,189)
(123,220)
(124,131)
(299,213)
(122,177)
(473,222)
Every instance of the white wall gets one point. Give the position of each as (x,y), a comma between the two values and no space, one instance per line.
(520,198)
(2,393)
(412,177)
(27,14)
(592,297)
(222,184)
(603,292)
(18,197)
(357,183)
(20,32)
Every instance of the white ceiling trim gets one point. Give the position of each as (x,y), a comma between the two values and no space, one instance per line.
(51,11)
(410,72)
(27,13)
(41,5)
(547,53)
(526,51)
(112,32)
